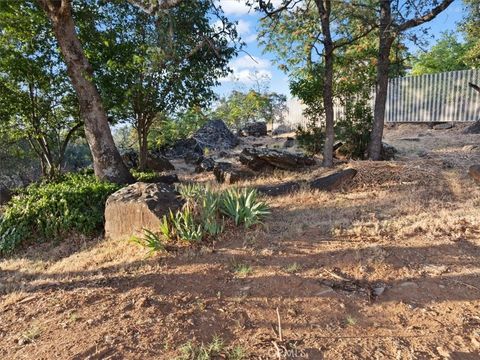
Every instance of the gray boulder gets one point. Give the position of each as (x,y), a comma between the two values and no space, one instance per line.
(256,129)
(207,164)
(228,173)
(473,129)
(281,129)
(279,189)
(158,162)
(215,135)
(388,152)
(135,207)
(333,181)
(264,159)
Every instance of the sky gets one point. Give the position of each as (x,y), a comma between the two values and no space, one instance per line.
(252,62)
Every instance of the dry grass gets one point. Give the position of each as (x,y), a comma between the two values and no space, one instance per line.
(410,226)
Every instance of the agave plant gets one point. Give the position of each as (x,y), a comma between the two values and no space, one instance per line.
(151,241)
(185,226)
(243,206)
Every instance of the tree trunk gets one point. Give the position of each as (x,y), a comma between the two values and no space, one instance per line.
(386,39)
(324,11)
(107,163)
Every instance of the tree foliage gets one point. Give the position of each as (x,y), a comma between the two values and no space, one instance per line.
(239,107)
(37,103)
(448,54)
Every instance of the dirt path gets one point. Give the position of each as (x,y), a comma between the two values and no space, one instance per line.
(387,269)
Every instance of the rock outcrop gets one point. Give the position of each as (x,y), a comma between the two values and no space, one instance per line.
(138,206)
(159,163)
(256,129)
(228,173)
(214,135)
(264,159)
(473,129)
(207,164)
(333,181)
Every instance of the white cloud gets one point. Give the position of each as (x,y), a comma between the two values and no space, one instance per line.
(235,7)
(244,27)
(248,69)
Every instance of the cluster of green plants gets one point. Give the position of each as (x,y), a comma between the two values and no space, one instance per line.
(50,210)
(204,214)
(311,138)
(148,176)
(167,130)
(353,129)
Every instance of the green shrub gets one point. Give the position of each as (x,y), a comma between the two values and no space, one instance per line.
(151,241)
(49,211)
(354,128)
(311,138)
(243,206)
(204,212)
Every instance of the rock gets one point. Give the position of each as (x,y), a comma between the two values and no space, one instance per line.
(260,159)
(167,179)
(281,129)
(470,148)
(138,206)
(181,147)
(226,172)
(337,145)
(130,158)
(474,172)
(215,135)
(280,189)
(333,181)
(256,129)
(5,195)
(443,126)
(473,129)
(193,158)
(377,291)
(289,142)
(158,162)
(388,152)
(422,153)
(207,164)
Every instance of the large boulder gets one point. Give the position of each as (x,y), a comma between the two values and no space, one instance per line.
(207,164)
(281,129)
(262,159)
(473,129)
(256,129)
(333,181)
(228,173)
(135,207)
(159,163)
(215,135)
(474,172)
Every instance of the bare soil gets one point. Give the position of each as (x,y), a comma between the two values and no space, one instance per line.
(387,268)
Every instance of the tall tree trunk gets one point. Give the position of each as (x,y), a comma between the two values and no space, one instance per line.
(107,163)
(324,9)
(142,133)
(386,39)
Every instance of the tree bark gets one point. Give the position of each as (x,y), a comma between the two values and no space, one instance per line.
(107,163)
(324,9)
(383,63)
(388,31)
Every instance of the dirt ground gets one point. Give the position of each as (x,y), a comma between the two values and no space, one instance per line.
(387,268)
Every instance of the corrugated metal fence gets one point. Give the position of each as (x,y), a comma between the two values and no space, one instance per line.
(443,97)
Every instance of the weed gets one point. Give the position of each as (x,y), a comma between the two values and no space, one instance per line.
(151,241)
(350,320)
(241,269)
(215,349)
(292,268)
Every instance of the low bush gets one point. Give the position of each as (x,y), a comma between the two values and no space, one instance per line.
(51,210)
(311,138)
(354,129)
(204,213)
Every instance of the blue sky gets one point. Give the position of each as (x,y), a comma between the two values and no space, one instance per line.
(246,69)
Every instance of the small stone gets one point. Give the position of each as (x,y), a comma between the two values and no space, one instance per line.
(408,284)
(378,290)
(444,126)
